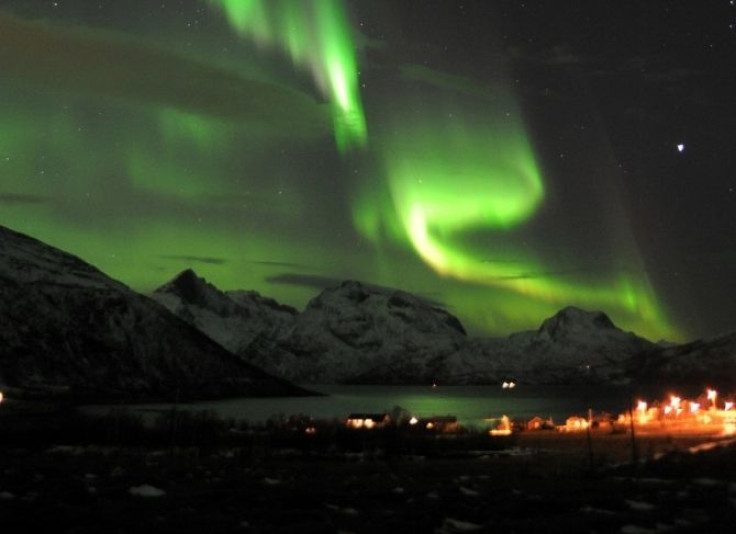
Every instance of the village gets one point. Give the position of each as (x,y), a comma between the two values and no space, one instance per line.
(706,415)
(584,442)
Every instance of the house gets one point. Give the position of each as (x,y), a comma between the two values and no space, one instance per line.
(575,424)
(368,420)
(437,423)
(603,421)
(500,426)
(537,423)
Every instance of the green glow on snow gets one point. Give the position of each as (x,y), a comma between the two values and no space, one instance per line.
(317,36)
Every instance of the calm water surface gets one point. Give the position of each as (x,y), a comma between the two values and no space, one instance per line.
(470,404)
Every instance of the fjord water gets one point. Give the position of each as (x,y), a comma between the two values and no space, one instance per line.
(470,404)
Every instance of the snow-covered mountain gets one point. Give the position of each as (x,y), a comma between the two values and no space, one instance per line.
(573,346)
(357,333)
(66,326)
(704,363)
(344,334)
(232,318)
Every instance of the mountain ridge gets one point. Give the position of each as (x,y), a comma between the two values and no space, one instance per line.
(342,336)
(65,323)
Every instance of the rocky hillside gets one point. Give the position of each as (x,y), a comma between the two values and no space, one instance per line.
(232,318)
(67,327)
(704,363)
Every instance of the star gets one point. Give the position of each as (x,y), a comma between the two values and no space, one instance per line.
(681,147)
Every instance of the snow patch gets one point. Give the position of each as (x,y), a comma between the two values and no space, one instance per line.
(451,525)
(146,490)
(639,506)
(468,492)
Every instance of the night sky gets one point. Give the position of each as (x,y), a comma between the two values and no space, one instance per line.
(503,158)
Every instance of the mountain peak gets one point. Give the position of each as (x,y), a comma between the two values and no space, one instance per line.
(381,303)
(573,319)
(233,318)
(189,286)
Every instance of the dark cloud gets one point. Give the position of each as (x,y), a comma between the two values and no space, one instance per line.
(306,280)
(283,264)
(505,261)
(194,259)
(572,271)
(104,63)
(255,202)
(671,76)
(21,198)
(562,55)
(450,82)
(651,69)
(364,42)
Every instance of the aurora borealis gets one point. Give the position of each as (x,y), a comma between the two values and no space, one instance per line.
(317,37)
(503,159)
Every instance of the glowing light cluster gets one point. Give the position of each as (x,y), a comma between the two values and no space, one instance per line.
(688,415)
(500,427)
(318,37)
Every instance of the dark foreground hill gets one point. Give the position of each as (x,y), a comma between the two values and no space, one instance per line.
(66,327)
(278,481)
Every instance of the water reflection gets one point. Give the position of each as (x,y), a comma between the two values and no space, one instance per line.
(470,404)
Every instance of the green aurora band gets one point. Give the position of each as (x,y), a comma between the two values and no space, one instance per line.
(141,178)
(318,37)
(457,173)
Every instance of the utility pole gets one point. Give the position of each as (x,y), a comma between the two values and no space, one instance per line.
(634,451)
